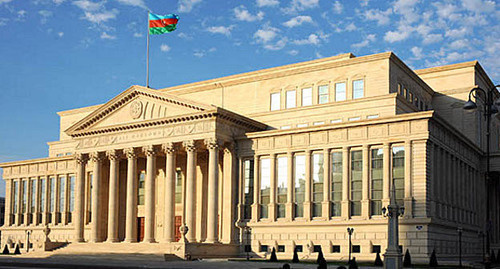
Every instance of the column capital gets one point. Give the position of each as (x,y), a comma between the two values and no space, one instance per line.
(150,150)
(131,153)
(212,143)
(96,157)
(80,158)
(113,155)
(169,147)
(189,145)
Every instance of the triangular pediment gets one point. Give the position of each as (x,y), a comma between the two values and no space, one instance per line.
(135,105)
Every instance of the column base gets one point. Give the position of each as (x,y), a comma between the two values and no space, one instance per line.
(151,240)
(393,260)
(211,241)
(114,240)
(128,240)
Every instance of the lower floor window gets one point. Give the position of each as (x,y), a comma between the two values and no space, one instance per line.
(335,249)
(356,249)
(263,248)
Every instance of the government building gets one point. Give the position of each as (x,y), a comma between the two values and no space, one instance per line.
(285,158)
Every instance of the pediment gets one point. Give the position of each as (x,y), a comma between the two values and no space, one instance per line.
(137,104)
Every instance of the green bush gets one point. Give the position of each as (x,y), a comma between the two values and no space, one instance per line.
(407,259)
(378,260)
(433,261)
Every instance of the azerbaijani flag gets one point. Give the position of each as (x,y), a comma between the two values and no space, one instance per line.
(159,24)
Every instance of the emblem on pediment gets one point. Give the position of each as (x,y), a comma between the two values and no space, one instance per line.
(136,109)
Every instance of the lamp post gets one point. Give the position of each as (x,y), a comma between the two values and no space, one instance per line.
(460,230)
(393,258)
(489,109)
(247,231)
(350,231)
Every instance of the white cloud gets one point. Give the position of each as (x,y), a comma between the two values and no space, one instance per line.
(365,42)
(165,48)
(21,14)
(396,36)
(406,8)
(199,54)
(267,3)
(241,13)
(293,52)
(46,14)
(184,36)
(432,38)
(58,2)
(459,44)
(3,21)
(479,6)
(4,1)
(382,17)
(60,34)
(456,33)
(225,30)
(135,3)
(446,11)
(280,44)
(202,53)
(297,21)
(101,17)
(337,7)
(187,5)
(364,3)
(138,35)
(105,35)
(351,27)
(300,5)
(266,34)
(312,39)
(88,5)
(417,53)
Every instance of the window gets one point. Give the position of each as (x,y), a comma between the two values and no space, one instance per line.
(318,123)
(62,191)
(275,101)
(291,99)
(285,127)
(299,248)
(52,197)
(335,249)
(336,121)
(24,205)
(399,89)
(265,187)
(410,97)
(141,188)
(248,192)
(16,197)
(356,249)
(372,116)
(300,184)
(317,248)
(178,186)
(358,89)
(307,98)
(376,249)
(398,173)
(281,248)
(323,94)
(89,189)
(71,197)
(336,188)
(376,180)
(317,181)
(354,118)
(356,181)
(248,248)
(32,200)
(340,91)
(42,195)
(301,125)
(264,248)
(282,186)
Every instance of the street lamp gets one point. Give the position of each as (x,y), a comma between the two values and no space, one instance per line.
(247,231)
(460,230)
(393,258)
(350,231)
(489,110)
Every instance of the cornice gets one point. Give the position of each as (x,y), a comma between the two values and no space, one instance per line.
(446,67)
(35,161)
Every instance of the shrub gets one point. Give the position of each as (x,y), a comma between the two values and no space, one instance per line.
(6,249)
(407,259)
(17,251)
(321,258)
(286,266)
(295,256)
(493,259)
(273,256)
(433,261)
(378,260)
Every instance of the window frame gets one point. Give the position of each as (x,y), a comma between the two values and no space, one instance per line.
(309,96)
(290,105)
(271,102)
(336,92)
(327,94)
(354,96)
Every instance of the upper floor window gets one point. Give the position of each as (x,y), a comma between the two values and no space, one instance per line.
(358,89)
(282,186)
(340,91)
(248,185)
(323,94)
(265,187)
(178,186)
(275,101)
(307,97)
(52,189)
(16,197)
(141,188)
(291,99)
(25,196)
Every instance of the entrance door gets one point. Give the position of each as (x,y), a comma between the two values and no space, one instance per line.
(177,226)
(140,229)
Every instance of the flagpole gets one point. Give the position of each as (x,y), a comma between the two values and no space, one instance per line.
(147,56)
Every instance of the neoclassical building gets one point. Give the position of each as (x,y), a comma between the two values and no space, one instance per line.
(284,158)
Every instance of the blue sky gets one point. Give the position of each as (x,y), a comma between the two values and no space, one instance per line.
(63,54)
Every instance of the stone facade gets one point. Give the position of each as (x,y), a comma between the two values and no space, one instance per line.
(284,158)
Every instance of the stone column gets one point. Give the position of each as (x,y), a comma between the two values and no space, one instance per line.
(114,170)
(386,181)
(190,189)
(307,196)
(8,202)
(272,194)
(326,185)
(79,221)
(289,195)
(169,219)
(45,215)
(408,199)
(149,199)
(213,187)
(96,206)
(345,183)
(131,211)
(365,202)
(256,189)
(229,194)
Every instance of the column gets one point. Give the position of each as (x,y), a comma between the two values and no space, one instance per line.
(81,161)
(431,152)
(289,195)
(213,187)
(345,183)
(326,185)
(45,215)
(256,189)
(190,189)
(169,219)
(272,200)
(386,181)
(365,202)
(230,192)
(96,207)
(307,196)
(149,199)
(8,202)
(131,210)
(408,199)
(114,170)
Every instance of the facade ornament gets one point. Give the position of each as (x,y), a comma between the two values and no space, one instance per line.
(95,157)
(131,153)
(189,145)
(169,148)
(212,143)
(80,158)
(113,155)
(150,150)
(136,109)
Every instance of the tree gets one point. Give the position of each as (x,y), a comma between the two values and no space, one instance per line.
(295,256)
(17,251)
(433,262)
(378,260)
(407,259)
(321,259)
(273,256)
(5,250)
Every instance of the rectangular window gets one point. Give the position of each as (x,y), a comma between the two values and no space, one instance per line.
(141,188)
(265,187)
(299,248)
(336,121)
(281,248)
(354,118)
(340,91)
(263,248)
(275,101)
(336,188)
(71,193)
(376,249)
(398,173)
(318,123)
(356,181)
(285,127)
(376,175)
(300,184)
(307,98)
(16,197)
(89,194)
(358,89)
(323,94)
(291,99)
(335,249)
(24,205)
(178,186)
(372,116)
(317,181)
(33,195)
(62,192)
(316,248)
(282,186)
(356,249)
(42,195)
(52,189)
(248,192)
(302,125)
